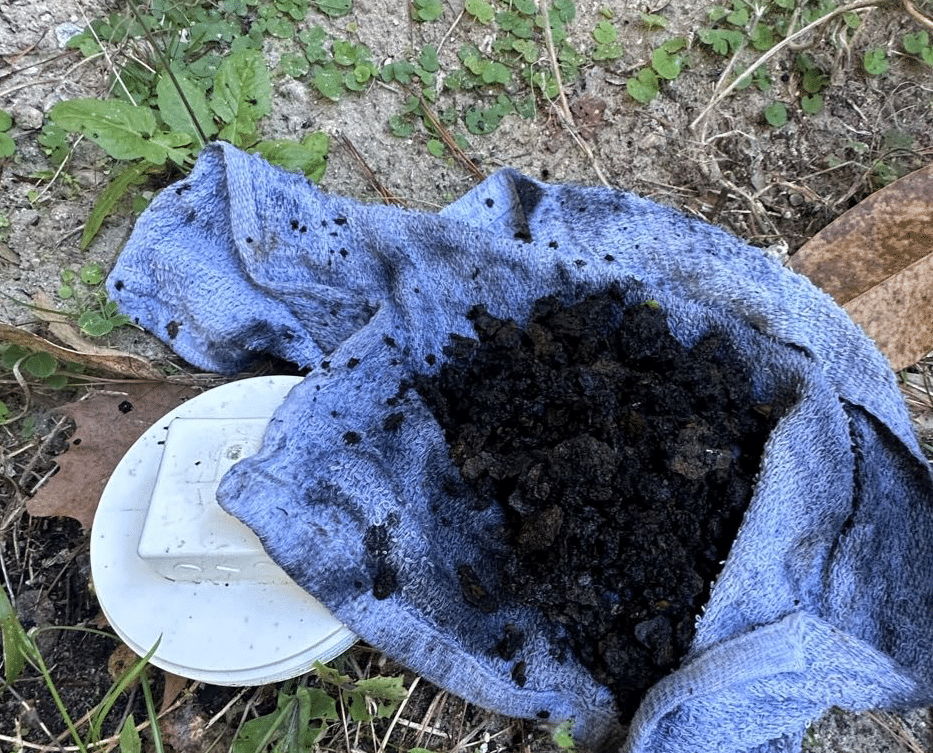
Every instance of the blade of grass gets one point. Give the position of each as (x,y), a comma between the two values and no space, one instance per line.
(18,648)
(276,725)
(104,707)
(59,704)
(152,713)
(111,195)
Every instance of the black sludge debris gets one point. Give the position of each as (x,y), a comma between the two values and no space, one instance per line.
(623,461)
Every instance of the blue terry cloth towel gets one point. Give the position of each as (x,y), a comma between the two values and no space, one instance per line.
(826,598)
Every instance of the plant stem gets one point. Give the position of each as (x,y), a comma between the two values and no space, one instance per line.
(849,7)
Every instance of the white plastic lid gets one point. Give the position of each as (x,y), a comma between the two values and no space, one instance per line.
(170,565)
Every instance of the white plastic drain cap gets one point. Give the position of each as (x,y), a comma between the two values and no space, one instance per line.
(170,565)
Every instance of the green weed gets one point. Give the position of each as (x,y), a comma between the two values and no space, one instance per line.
(776,114)
(562,736)
(749,33)
(607,46)
(41,366)
(427,10)
(21,650)
(889,156)
(94,313)
(504,79)
(667,62)
(918,45)
(53,141)
(303,714)
(207,79)
(7,145)
(875,61)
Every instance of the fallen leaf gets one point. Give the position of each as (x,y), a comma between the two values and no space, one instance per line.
(184,729)
(60,326)
(9,255)
(876,261)
(174,686)
(121,659)
(108,360)
(588,115)
(107,423)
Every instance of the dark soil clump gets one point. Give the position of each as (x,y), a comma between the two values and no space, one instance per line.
(623,461)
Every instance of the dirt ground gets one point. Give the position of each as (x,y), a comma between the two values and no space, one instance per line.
(775,187)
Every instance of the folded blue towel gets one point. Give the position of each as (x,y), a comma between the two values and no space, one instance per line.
(826,598)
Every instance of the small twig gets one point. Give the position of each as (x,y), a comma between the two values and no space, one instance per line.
(111,742)
(171,74)
(465,743)
(898,734)
(564,113)
(733,61)
(385,740)
(24,386)
(68,75)
(37,64)
(223,712)
(450,31)
(584,147)
(552,55)
(42,448)
(42,725)
(6,579)
(140,61)
(387,196)
(423,729)
(437,703)
(787,41)
(341,706)
(247,710)
(26,745)
(14,58)
(113,66)
(44,480)
(755,208)
(919,17)
(46,589)
(449,140)
(48,186)
(26,84)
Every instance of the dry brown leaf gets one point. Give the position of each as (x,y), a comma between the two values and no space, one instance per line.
(107,423)
(60,326)
(876,261)
(184,730)
(174,686)
(108,360)
(9,255)
(121,659)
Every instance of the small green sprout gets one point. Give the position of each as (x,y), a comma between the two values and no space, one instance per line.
(562,734)
(776,114)
(607,46)
(875,61)
(427,10)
